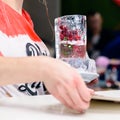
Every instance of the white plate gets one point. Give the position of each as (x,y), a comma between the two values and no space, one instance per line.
(88,76)
(110,95)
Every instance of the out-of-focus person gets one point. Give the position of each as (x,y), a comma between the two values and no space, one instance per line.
(112,51)
(97,36)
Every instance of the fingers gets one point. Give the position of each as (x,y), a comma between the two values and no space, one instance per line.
(65,97)
(63,100)
(70,97)
(82,88)
(83,91)
(78,102)
(91,91)
(93,82)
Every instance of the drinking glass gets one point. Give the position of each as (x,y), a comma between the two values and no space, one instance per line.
(70,38)
(70,44)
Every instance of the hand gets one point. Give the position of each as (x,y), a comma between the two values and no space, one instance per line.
(93,82)
(65,83)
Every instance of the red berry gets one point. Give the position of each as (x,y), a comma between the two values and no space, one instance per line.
(61,36)
(77,37)
(65,28)
(70,37)
(61,27)
(65,33)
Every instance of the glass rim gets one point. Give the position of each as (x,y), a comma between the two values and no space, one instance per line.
(70,15)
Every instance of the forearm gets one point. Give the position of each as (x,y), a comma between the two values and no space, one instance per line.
(21,70)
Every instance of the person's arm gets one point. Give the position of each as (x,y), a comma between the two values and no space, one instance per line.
(20,70)
(61,80)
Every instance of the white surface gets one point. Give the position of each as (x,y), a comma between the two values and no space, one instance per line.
(110,95)
(48,108)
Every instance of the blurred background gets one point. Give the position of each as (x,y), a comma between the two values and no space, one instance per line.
(109,10)
(103,35)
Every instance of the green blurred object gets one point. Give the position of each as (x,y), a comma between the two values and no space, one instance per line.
(109,10)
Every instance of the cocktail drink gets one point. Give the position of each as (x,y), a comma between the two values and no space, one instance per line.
(70,37)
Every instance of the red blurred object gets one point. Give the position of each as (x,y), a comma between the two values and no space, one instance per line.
(117,2)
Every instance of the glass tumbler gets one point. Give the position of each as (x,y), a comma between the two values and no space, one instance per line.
(70,40)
